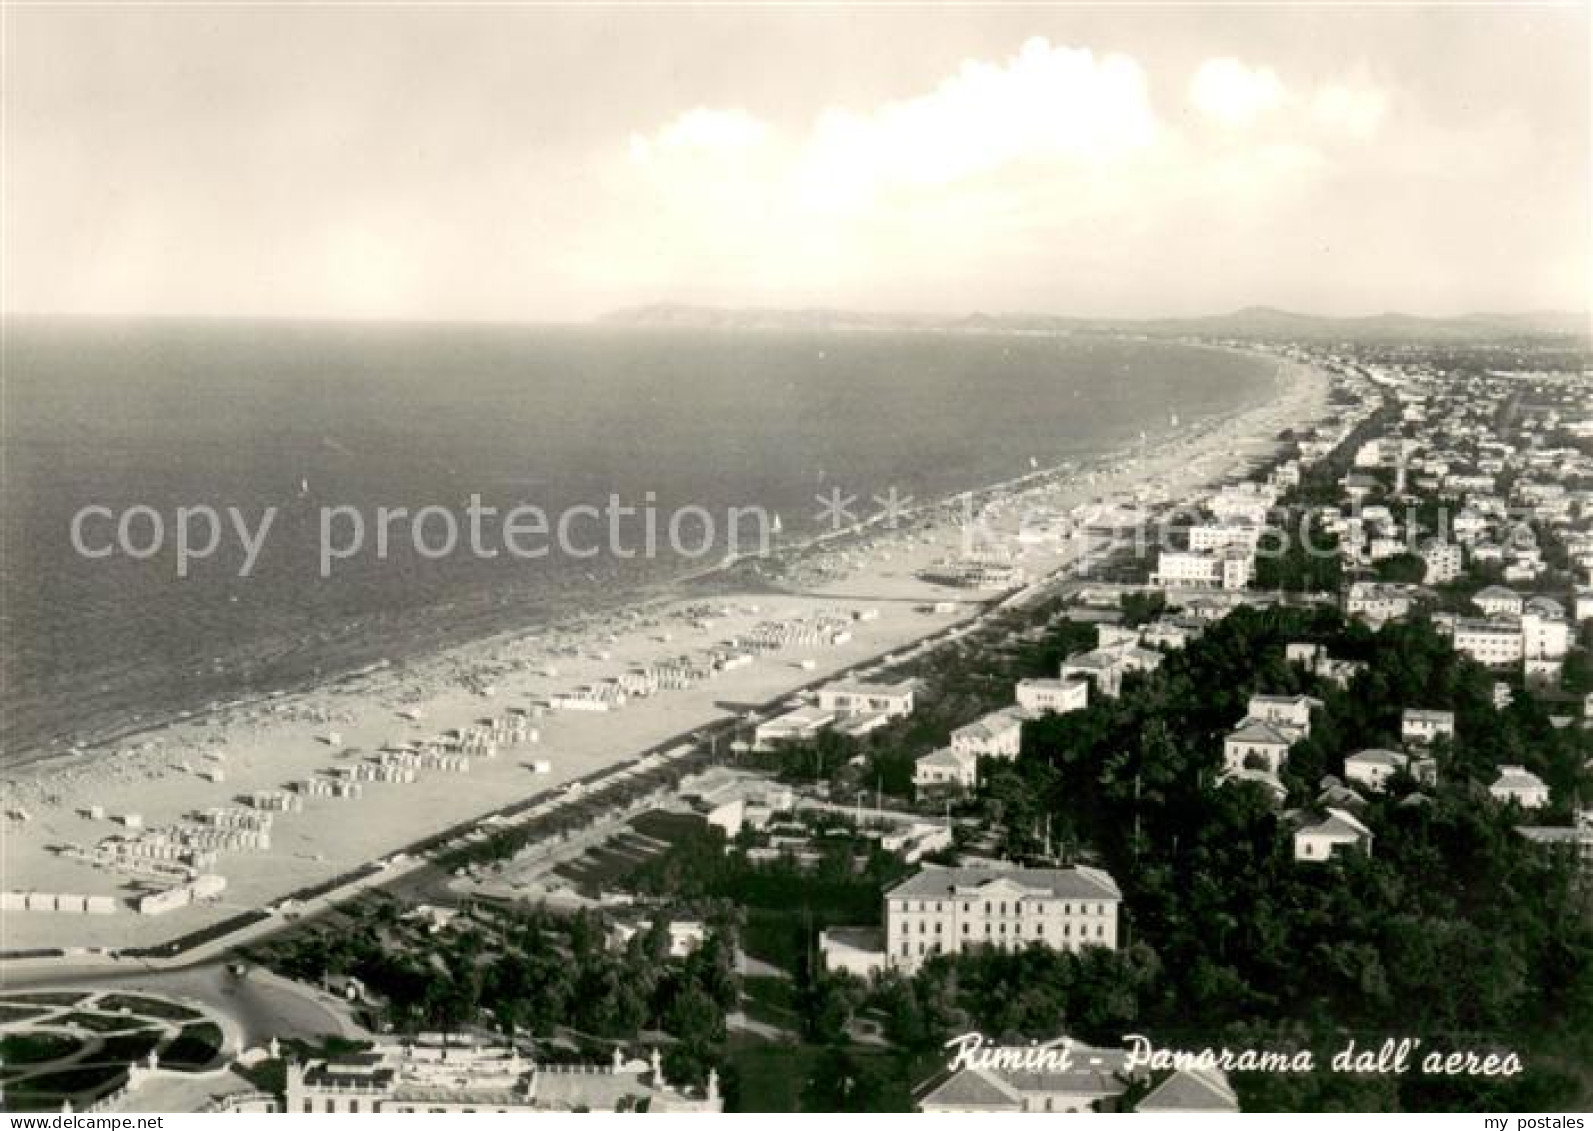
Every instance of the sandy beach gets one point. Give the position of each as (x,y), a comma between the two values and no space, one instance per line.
(165,775)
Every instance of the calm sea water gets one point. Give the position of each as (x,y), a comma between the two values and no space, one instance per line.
(304,416)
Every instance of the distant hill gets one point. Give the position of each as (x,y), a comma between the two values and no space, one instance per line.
(1256,322)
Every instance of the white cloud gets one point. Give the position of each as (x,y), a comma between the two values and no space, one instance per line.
(1234,94)
(1052,147)
(702,130)
(1045,104)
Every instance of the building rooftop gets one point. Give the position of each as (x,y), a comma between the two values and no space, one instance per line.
(1260,731)
(1517,777)
(1190,1090)
(1078,882)
(1377,757)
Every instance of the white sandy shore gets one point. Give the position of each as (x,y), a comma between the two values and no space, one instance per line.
(267,745)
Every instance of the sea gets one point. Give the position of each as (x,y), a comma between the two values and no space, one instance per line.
(141,418)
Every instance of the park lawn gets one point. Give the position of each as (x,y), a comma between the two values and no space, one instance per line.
(194,1048)
(769,1077)
(37,1047)
(771,1001)
(44,998)
(46,1091)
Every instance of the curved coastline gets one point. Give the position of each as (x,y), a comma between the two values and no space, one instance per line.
(269,742)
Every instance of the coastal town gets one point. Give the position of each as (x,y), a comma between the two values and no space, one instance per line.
(1118,750)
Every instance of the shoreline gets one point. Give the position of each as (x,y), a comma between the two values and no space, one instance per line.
(279,737)
(66,749)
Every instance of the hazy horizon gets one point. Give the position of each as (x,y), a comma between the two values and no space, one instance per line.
(531,321)
(551,165)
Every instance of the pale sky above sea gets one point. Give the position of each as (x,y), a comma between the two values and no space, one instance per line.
(549,163)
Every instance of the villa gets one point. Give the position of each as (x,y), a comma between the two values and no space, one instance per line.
(1423,726)
(1106,667)
(1292,710)
(1258,744)
(1339,831)
(1520,785)
(1053,696)
(850,698)
(945,768)
(1372,768)
(1496,600)
(794,726)
(997,735)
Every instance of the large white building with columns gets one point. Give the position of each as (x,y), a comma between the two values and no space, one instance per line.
(949,910)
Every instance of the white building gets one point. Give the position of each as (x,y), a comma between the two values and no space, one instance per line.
(1338,831)
(1054,696)
(1379,602)
(1204,569)
(1260,745)
(461,1076)
(1171,633)
(1238,535)
(1075,1079)
(1294,710)
(1575,840)
(859,951)
(1243,502)
(1444,561)
(1545,631)
(997,735)
(1496,643)
(1423,726)
(950,910)
(852,698)
(1372,768)
(1106,667)
(799,725)
(946,768)
(1497,601)
(1521,785)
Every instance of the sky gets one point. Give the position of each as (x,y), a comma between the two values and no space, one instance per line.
(553,163)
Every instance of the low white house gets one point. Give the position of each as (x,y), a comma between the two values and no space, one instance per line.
(997,735)
(946,768)
(1372,768)
(793,726)
(1106,667)
(1258,744)
(1294,710)
(1054,696)
(860,951)
(1337,832)
(1521,785)
(1423,726)
(849,697)
(1378,602)
(1496,600)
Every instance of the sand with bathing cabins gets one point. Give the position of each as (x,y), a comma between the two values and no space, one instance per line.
(264,746)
